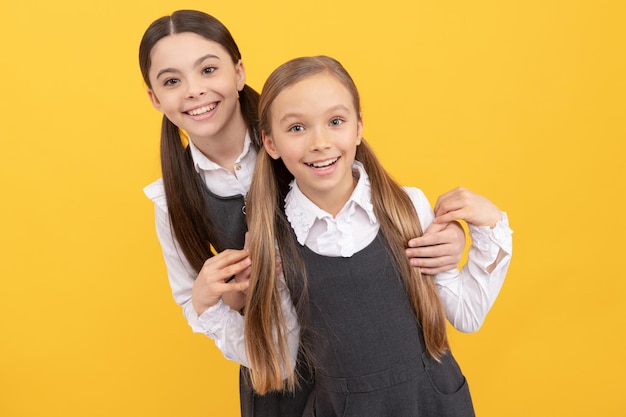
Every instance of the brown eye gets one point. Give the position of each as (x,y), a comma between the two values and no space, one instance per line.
(171,81)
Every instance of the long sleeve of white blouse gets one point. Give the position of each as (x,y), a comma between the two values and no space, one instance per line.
(468,294)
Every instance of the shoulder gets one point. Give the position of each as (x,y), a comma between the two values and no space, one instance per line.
(156,192)
(416,195)
(422,205)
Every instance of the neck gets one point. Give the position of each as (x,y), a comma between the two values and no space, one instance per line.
(333,202)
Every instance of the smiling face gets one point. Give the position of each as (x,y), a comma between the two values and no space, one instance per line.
(315,129)
(194,83)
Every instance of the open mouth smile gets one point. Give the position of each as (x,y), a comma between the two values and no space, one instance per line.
(202,110)
(322,164)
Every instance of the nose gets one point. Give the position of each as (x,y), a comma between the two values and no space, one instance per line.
(195,88)
(320,140)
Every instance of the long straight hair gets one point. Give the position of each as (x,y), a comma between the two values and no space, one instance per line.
(265,333)
(184,189)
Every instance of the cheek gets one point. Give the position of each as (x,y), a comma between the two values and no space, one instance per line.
(288,153)
(227,86)
(161,97)
(165,105)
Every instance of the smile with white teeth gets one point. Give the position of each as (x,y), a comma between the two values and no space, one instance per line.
(202,110)
(322,164)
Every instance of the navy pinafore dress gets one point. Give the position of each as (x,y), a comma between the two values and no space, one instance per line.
(230,234)
(367,347)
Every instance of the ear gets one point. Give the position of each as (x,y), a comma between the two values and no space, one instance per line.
(359,129)
(240,71)
(154,99)
(269,145)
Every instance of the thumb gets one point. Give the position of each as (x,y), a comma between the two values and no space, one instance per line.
(245,244)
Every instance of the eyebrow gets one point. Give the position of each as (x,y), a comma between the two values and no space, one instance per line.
(198,62)
(330,110)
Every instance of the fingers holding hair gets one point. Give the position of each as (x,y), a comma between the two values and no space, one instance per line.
(463,204)
(214,279)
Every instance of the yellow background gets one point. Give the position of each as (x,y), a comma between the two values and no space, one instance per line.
(522,101)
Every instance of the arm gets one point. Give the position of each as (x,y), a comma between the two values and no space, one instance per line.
(182,278)
(217,320)
(468,294)
(180,273)
(226,327)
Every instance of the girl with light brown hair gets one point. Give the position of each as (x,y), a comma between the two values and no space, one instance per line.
(370,327)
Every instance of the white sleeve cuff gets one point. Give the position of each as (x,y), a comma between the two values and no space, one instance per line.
(483,237)
(213,319)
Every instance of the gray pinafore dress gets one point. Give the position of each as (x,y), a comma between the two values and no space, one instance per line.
(366,346)
(230,234)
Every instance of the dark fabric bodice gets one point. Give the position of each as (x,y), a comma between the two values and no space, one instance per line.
(357,308)
(228,218)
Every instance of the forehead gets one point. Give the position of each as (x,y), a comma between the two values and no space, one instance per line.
(181,50)
(320,91)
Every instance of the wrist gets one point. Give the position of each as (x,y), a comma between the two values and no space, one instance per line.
(496,220)
(200,308)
